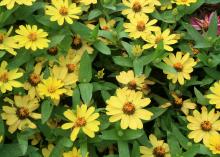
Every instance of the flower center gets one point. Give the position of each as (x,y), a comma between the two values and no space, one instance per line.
(51,89)
(104,28)
(71,67)
(178,66)
(34,79)
(206,126)
(136,7)
(132,84)
(76,43)
(178,101)
(141,26)
(63,11)
(32,37)
(1,38)
(22,113)
(4,77)
(52,51)
(158,39)
(80,122)
(128,108)
(159,151)
(217,147)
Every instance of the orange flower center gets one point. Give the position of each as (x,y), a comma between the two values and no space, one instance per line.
(128,108)
(206,126)
(52,50)
(4,77)
(178,101)
(71,67)
(22,113)
(32,37)
(178,66)
(141,26)
(63,11)
(34,79)
(104,28)
(1,38)
(159,151)
(217,147)
(51,89)
(80,122)
(136,7)
(132,84)
(76,43)
(158,39)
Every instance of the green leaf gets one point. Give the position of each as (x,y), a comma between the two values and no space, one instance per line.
(127,47)
(123,61)
(200,97)
(46,110)
(165,67)
(123,149)
(94,13)
(172,141)
(213,26)
(85,70)
(212,73)
(56,39)
(136,150)
(86,92)
(23,143)
(157,112)
(81,29)
(101,47)
(75,98)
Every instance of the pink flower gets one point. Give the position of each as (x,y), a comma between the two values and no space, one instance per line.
(203,24)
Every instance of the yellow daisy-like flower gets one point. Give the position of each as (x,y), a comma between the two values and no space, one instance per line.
(8,78)
(18,115)
(47,151)
(83,119)
(183,65)
(154,39)
(140,26)
(63,10)
(203,125)
(8,43)
(138,7)
(88,2)
(107,26)
(51,87)
(158,149)
(74,153)
(127,106)
(10,3)
(214,144)
(184,2)
(31,37)
(214,97)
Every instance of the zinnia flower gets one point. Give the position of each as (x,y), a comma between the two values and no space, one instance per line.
(88,2)
(83,119)
(184,2)
(10,3)
(47,151)
(214,96)
(74,153)
(214,143)
(128,106)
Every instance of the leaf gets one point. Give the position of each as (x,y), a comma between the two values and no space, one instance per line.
(86,92)
(85,70)
(165,67)
(80,29)
(46,110)
(127,47)
(212,73)
(200,98)
(213,26)
(157,112)
(56,39)
(101,47)
(75,98)
(123,61)
(23,143)
(136,150)
(172,141)
(94,13)
(123,149)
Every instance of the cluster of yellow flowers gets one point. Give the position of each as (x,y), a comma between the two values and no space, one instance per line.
(128,108)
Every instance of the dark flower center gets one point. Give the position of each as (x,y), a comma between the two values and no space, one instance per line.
(71,67)
(80,122)
(34,79)
(178,66)
(136,7)
(1,38)
(206,126)
(141,26)
(52,51)
(76,43)
(22,113)
(128,108)
(4,77)
(63,11)
(132,84)
(32,37)
(159,151)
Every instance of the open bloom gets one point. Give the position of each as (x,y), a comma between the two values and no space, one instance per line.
(140,26)
(31,37)
(83,119)
(8,43)
(18,115)
(214,96)
(10,3)
(128,106)
(203,125)
(155,38)
(138,7)
(183,65)
(214,144)
(8,78)
(63,10)
(159,148)
(74,153)
(47,151)
(88,2)
(184,2)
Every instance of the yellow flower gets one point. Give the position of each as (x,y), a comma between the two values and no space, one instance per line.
(214,97)
(107,26)
(35,139)
(10,3)
(31,37)
(214,143)
(183,65)
(8,78)
(63,10)
(83,119)
(138,7)
(80,46)
(127,106)
(8,43)
(51,87)
(18,115)
(158,149)
(184,2)
(74,153)
(203,125)
(137,50)
(185,105)
(166,6)
(154,39)
(140,26)
(47,151)
(88,2)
